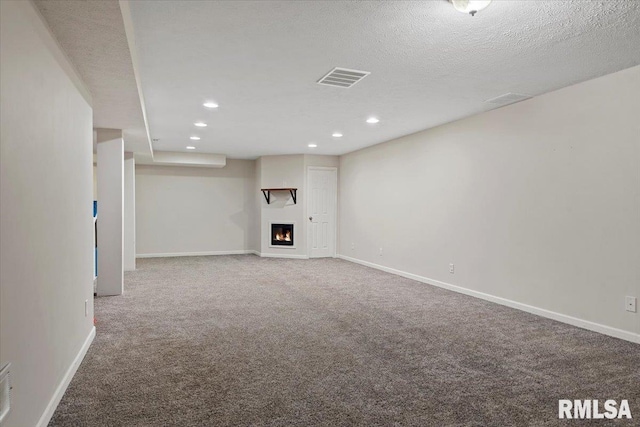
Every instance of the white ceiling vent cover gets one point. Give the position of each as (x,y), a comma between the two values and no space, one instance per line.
(508,98)
(343,77)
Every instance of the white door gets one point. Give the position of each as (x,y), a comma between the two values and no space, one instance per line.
(321,209)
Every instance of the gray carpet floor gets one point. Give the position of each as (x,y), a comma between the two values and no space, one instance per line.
(242,340)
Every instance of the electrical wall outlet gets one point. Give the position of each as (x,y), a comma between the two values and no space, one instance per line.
(451,266)
(353,246)
(630,304)
(86,308)
(380,252)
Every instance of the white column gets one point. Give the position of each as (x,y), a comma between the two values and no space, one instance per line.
(129,212)
(110,211)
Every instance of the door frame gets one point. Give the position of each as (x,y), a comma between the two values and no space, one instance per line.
(335,207)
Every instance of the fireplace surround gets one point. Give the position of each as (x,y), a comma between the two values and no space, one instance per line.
(282,234)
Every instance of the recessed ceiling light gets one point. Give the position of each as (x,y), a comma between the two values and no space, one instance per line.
(195,138)
(470,6)
(210,105)
(373,120)
(190,147)
(337,135)
(313,145)
(200,124)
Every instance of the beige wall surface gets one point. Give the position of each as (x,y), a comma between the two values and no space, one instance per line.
(185,210)
(537,202)
(95,182)
(110,222)
(181,210)
(129,219)
(279,172)
(321,161)
(46,226)
(256,238)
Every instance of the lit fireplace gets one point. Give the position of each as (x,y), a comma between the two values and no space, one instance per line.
(286,237)
(281,234)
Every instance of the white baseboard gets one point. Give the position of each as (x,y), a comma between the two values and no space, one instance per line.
(66,379)
(289,256)
(237,252)
(176,254)
(574,321)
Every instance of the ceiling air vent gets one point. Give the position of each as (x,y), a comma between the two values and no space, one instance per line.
(507,98)
(342,77)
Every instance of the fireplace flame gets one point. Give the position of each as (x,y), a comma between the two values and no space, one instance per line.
(286,237)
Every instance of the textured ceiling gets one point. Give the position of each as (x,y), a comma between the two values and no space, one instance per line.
(429,65)
(260,60)
(92,34)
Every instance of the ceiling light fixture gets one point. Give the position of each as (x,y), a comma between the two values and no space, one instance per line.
(190,147)
(313,145)
(210,105)
(372,120)
(470,6)
(337,135)
(195,138)
(200,124)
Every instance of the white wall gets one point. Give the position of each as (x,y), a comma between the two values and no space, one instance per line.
(186,210)
(282,172)
(256,238)
(46,241)
(95,182)
(537,203)
(110,212)
(129,254)
(322,161)
(189,210)
(279,172)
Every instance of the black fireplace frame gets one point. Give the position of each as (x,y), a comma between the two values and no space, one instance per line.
(283,226)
